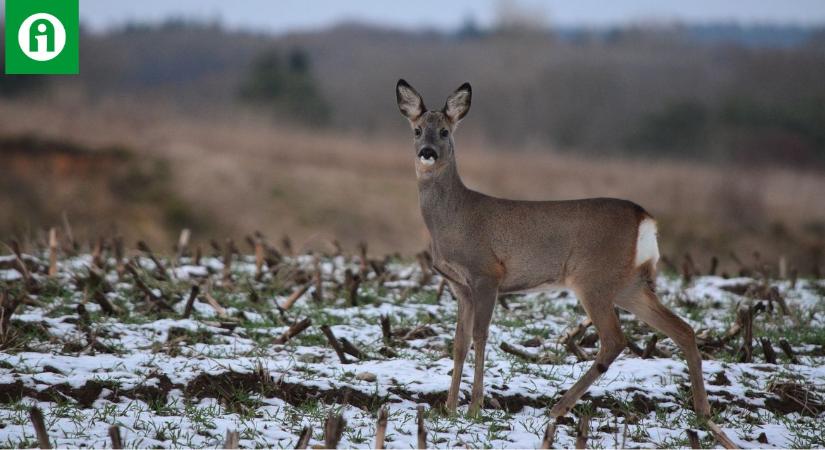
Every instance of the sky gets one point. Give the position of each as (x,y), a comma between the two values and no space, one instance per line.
(291,15)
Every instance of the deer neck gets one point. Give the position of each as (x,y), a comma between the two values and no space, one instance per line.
(442,195)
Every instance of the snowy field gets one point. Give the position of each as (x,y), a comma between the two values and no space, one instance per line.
(95,347)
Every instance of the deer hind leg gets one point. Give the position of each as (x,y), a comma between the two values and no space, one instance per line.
(612,342)
(461,344)
(646,306)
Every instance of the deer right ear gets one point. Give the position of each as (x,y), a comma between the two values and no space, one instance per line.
(409,101)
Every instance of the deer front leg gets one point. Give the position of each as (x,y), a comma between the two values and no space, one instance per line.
(484,294)
(461,344)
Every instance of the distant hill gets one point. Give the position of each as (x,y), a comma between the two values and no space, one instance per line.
(753,36)
(719,92)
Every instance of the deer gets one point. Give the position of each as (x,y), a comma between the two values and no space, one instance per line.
(605,250)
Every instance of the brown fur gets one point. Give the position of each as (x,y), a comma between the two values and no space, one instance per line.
(485,246)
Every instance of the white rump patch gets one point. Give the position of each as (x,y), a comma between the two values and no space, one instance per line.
(647,249)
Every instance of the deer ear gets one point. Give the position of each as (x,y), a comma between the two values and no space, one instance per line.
(409,101)
(458,104)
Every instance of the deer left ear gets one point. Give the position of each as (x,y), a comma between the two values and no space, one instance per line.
(458,104)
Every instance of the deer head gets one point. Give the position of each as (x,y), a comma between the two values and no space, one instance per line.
(433,130)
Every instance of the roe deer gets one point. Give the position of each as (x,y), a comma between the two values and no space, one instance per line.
(603,249)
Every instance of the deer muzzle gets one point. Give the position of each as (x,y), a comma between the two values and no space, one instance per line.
(427,156)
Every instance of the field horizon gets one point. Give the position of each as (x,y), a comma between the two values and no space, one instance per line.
(231,172)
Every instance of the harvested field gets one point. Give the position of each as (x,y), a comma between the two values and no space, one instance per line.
(179,351)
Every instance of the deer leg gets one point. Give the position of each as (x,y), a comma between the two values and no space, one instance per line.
(484,301)
(461,344)
(646,306)
(612,342)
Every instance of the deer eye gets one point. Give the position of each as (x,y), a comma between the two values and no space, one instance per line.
(444,133)
(417,132)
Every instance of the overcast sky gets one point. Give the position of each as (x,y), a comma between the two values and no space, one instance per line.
(287,15)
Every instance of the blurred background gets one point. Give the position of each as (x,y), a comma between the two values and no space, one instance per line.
(233,117)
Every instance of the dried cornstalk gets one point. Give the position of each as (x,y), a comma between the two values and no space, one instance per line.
(714,264)
(774,296)
(650,347)
(733,331)
(577,351)
(97,253)
(286,245)
(227,261)
(190,302)
(183,243)
(53,252)
(67,231)
(318,293)
(351,284)
(36,416)
(745,316)
(720,435)
(381,427)
(582,430)
(156,299)
(232,440)
(337,250)
(422,431)
(767,349)
(271,255)
(333,429)
(119,253)
(549,436)
(220,310)
(294,297)
(634,348)
(293,331)
(688,269)
(160,269)
(378,267)
(744,270)
(350,348)
(508,348)
(216,248)
(259,259)
(624,435)
(335,344)
(569,337)
(693,438)
(114,435)
(97,280)
(303,438)
(8,305)
(786,348)
(21,265)
(104,303)
(363,264)
(386,329)
(573,333)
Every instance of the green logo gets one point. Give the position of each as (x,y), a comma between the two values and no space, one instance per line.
(42,37)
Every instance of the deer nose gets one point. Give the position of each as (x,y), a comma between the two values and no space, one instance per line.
(427,153)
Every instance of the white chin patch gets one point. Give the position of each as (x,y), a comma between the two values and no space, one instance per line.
(427,161)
